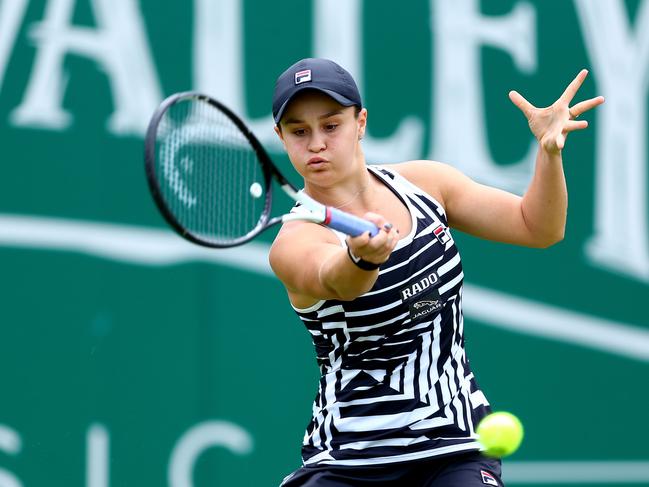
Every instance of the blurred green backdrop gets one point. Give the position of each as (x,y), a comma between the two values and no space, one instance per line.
(129,357)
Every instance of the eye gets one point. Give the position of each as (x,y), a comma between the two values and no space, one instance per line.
(299,132)
(330,127)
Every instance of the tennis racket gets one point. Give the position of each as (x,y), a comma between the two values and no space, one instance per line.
(212,180)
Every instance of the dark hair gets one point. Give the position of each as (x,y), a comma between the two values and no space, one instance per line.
(357,112)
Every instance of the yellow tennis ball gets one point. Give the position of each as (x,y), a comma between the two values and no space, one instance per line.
(500,434)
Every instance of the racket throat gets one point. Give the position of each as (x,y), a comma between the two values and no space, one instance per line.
(327,215)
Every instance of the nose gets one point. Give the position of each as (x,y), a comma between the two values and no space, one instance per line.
(316,143)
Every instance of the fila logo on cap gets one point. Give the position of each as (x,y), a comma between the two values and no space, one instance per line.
(488,479)
(302,76)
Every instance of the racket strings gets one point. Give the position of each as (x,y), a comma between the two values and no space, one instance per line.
(206,168)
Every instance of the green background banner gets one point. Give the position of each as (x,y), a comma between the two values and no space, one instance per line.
(129,357)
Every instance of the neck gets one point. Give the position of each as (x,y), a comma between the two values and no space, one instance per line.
(355,196)
(351,193)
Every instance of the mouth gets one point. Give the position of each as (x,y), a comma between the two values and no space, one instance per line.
(316,161)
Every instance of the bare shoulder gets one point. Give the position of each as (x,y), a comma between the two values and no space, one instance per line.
(436,178)
(414,170)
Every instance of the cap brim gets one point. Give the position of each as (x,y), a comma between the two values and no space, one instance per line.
(344,101)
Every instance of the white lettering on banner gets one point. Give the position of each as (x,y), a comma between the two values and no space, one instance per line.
(97,454)
(11,15)
(218,62)
(620,58)
(458,120)
(198,439)
(337,34)
(618,50)
(10,443)
(118,44)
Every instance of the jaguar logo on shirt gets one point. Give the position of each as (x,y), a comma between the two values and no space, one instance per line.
(426,304)
(422,296)
(421,309)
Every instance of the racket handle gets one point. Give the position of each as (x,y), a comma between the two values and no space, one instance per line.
(349,224)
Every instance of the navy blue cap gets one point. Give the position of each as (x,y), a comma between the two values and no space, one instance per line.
(314,74)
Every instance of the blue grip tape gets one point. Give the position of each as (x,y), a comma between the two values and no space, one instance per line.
(349,224)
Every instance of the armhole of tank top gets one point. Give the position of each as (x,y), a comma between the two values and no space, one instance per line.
(342,238)
(413,186)
(380,173)
(310,309)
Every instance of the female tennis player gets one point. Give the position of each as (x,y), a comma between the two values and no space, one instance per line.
(397,402)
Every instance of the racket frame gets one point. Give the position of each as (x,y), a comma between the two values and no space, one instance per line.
(317,212)
(268,169)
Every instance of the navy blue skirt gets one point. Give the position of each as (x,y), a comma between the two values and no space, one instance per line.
(463,470)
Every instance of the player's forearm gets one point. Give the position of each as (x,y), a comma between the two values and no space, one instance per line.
(544,205)
(340,276)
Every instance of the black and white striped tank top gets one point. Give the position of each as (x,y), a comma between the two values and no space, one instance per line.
(395,381)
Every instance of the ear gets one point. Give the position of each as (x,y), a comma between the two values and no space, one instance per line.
(279,133)
(362,123)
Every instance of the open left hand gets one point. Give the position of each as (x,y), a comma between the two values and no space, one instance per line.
(551,125)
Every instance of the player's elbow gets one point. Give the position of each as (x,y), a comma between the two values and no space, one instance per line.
(346,296)
(549,239)
(347,291)
(350,294)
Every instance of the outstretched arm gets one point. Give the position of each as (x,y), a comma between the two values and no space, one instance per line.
(544,205)
(538,218)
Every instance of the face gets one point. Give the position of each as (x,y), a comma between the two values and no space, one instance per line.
(321,136)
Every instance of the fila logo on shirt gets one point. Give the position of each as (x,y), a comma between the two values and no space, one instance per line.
(441,234)
(488,479)
(302,76)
